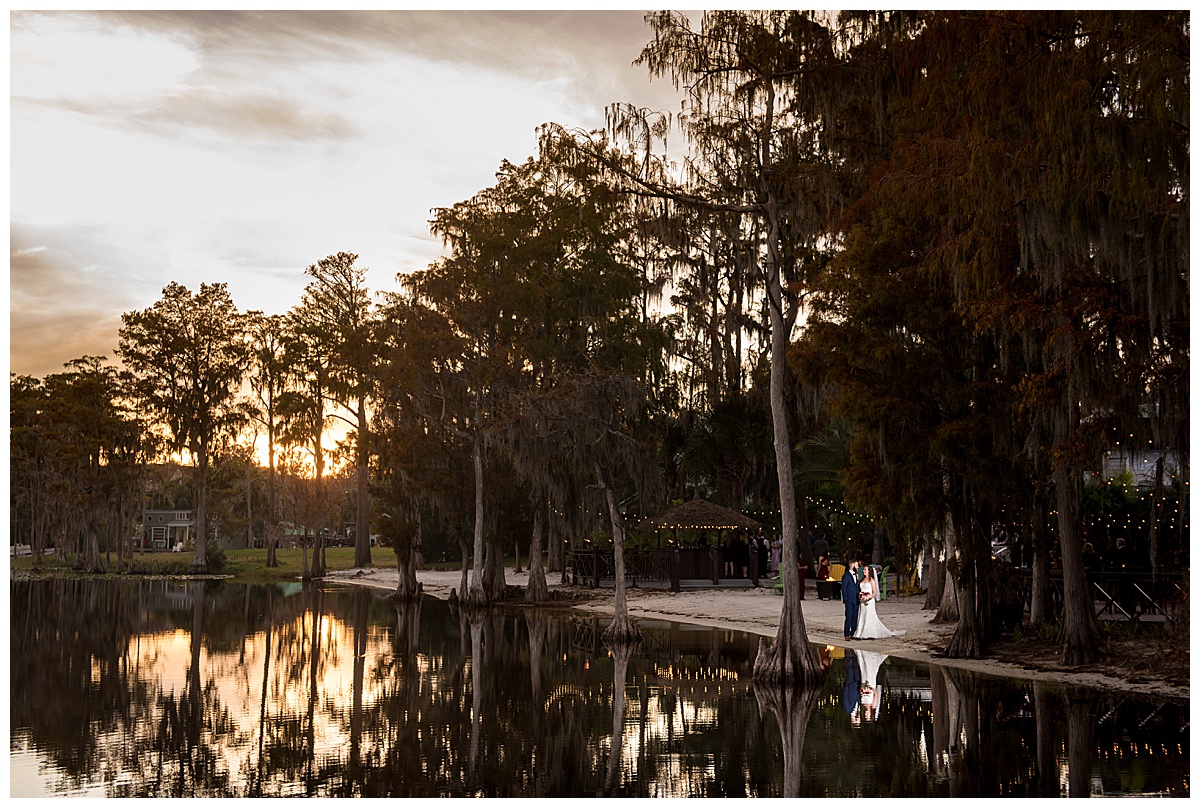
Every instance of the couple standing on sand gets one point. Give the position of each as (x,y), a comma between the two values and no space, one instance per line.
(862,623)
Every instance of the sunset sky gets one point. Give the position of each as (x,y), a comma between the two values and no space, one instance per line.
(240,147)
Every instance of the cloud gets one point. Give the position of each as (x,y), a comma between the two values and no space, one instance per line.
(598,46)
(62,304)
(239,147)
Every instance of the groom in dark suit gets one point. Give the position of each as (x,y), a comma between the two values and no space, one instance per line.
(851,692)
(850,598)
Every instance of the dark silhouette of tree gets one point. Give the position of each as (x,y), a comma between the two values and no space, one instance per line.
(268,383)
(599,423)
(424,466)
(1056,165)
(337,313)
(308,357)
(188,354)
(754,156)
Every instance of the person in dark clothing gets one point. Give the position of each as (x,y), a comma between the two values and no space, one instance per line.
(820,547)
(741,556)
(851,693)
(764,553)
(850,598)
(1118,560)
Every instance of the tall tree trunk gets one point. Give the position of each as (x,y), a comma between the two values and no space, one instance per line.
(967,642)
(948,608)
(418,550)
(1156,516)
(465,552)
(790,660)
(555,560)
(1079,630)
(407,587)
(1040,604)
(878,535)
(476,594)
(249,510)
(493,572)
(935,583)
(199,563)
(362,524)
(318,567)
(305,575)
(272,504)
(536,590)
(621,629)
(92,562)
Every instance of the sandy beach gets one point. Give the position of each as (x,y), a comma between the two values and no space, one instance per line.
(756,610)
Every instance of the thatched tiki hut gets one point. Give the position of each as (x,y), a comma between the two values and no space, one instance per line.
(698,514)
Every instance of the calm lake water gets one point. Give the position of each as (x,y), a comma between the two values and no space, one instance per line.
(166,688)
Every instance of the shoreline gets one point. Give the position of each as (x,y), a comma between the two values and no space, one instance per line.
(756,610)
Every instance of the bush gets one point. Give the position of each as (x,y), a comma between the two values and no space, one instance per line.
(214,557)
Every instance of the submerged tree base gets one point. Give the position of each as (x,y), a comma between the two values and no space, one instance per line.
(774,665)
(408,594)
(622,631)
(964,644)
(475,598)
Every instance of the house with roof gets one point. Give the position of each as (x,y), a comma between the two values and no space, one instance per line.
(166,529)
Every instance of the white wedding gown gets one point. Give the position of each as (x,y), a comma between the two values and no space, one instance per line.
(872,697)
(870,627)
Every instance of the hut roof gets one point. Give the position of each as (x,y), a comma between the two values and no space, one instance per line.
(698,513)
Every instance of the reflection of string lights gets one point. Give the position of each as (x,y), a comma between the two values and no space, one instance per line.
(670,672)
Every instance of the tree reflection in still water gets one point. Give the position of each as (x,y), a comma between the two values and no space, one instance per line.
(170,688)
(792,708)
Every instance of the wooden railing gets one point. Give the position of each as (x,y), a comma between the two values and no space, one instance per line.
(671,565)
(1119,595)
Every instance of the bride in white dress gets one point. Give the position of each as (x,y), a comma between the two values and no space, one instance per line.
(870,627)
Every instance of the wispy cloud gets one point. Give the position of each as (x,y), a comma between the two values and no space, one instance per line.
(241,146)
(63,304)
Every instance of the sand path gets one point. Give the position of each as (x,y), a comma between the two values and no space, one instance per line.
(757,610)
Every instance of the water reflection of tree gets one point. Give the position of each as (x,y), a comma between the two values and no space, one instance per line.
(982,738)
(792,708)
(267,684)
(621,651)
(87,625)
(1081,721)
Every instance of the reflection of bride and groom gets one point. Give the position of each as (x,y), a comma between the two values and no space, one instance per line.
(862,697)
(859,597)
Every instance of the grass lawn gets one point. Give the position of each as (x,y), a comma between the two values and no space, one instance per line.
(247,566)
